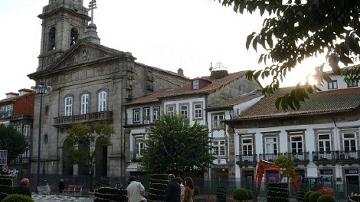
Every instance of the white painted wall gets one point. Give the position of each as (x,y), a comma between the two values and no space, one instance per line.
(340,80)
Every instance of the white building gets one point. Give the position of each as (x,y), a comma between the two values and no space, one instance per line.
(206,100)
(323,136)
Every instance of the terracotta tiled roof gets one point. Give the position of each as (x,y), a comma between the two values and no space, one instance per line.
(187,89)
(324,102)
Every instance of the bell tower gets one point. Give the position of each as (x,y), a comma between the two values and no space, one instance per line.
(64,22)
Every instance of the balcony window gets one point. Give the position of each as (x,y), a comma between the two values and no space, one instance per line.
(271,145)
(85,98)
(136,115)
(170,109)
(219,147)
(349,142)
(68,106)
(140,146)
(332,84)
(146,115)
(217,121)
(296,144)
(156,113)
(102,101)
(324,143)
(184,110)
(198,111)
(26,131)
(247,147)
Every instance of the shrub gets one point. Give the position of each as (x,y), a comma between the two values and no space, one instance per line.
(326,198)
(307,196)
(314,196)
(250,195)
(17,198)
(240,194)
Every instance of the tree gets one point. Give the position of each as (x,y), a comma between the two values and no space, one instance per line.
(173,146)
(85,139)
(295,30)
(12,141)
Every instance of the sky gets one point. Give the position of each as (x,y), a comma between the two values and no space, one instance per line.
(169,34)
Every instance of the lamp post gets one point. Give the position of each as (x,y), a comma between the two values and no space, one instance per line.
(41,88)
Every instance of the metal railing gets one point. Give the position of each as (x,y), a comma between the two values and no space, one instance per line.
(339,156)
(269,157)
(95,116)
(246,160)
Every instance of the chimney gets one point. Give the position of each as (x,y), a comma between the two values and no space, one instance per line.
(24,91)
(180,72)
(11,95)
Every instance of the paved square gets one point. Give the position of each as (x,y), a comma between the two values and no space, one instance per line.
(59,198)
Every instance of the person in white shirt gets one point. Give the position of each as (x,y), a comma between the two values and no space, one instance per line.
(135,191)
(182,188)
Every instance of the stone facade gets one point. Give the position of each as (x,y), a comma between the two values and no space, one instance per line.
(75,68)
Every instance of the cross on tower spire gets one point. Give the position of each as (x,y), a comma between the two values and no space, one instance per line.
(92,7)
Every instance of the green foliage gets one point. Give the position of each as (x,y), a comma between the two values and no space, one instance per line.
(12,141)
(241,194)
(17,198)
(294,30)
(173,146)
(307,196)
(83,142)
(326,198)
(314,196)
(250,194)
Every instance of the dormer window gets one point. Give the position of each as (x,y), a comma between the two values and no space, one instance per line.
(332,84)
(351,84)
(195,84)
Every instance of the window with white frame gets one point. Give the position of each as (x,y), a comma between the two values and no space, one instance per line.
(195,84)
(136,115)
(84,99)
(170,109)
(271,145)
(296,144)
(146,114)
(349,141)
(247,146)
(156,113)
(68,106)
(102,101)
(140,146)
(18,129)
(184,110)
(26,130)
(332,84)
(198,111)
(218,147)
(324,143)
(217,121)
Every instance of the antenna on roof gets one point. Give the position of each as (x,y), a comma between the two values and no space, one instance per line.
(211,67)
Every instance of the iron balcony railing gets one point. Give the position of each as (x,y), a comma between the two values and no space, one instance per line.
(95,116)
(269,157)
(338,156)
(246,160)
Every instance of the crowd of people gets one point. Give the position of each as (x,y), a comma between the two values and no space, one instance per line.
(177,190)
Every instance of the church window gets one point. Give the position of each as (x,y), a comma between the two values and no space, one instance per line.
(68,106)
(85,98)
(52,38)
(102,101)
(74,36)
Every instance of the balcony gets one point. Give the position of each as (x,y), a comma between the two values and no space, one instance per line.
(268,157)
(246,160)
(300,158)
(90,117)
(349,157)
(325,157)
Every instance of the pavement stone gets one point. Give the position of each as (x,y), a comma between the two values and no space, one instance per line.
(59,198)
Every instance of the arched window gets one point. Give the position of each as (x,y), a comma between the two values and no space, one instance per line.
(74,36)
(102,101)
(85,98)
(52,38)
(68,106)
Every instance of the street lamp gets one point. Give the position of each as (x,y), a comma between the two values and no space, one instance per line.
(41,88)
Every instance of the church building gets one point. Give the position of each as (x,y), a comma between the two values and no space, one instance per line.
(89,83)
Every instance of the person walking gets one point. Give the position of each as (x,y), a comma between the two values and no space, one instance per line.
(24,187)
(182,188)
(189,190)
(61,185)
(135,190)
(173,190)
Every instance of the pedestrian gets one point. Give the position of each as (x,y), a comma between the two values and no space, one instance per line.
(61,186)
(24,187)
(182,188)
(189,190)
(135,190)
(173,190)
